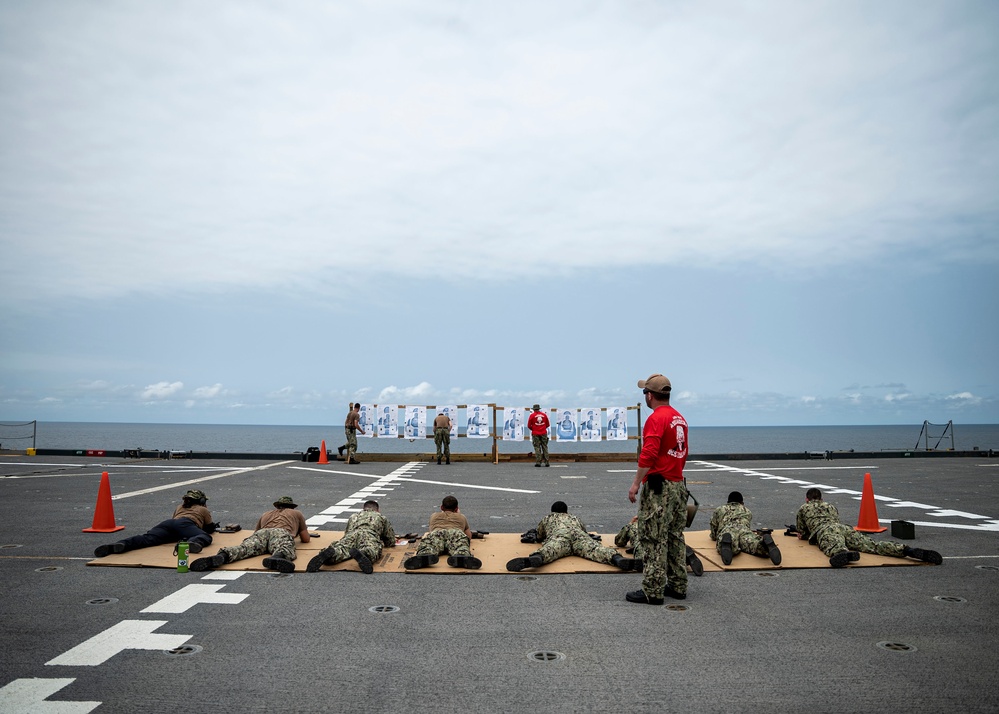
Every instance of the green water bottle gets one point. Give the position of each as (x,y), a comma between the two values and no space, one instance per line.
(182,556)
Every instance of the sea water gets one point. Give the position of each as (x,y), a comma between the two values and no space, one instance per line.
(241,438)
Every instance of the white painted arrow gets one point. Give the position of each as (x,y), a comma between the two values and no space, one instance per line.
(27,696)
(126,635)
(191,595)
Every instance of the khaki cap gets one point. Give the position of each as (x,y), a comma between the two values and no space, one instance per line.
(655,383)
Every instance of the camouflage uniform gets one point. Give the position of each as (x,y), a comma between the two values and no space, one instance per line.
(442,438)
(629,534)
(351,444)
(735,519)
(452,541)
(566,535)
(540,442)
(276,541)
(367,532)
(819,522)
(661,520)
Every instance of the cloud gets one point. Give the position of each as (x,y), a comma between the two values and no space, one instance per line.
(209,392)
(422,390)
(510,141)
(161,390)
(964,397)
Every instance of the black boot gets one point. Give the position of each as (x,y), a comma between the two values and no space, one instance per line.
(619,561)
(726,548)
(772,550)
(696,566)
(468,562)
(279,562)
(324,557)
(838,560)
(640,597)
(214,561)
(363,561)
(927,556)
(340,449)
(420,561)
(105,550)
(518,564)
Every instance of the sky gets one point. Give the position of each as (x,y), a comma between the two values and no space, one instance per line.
(256,212)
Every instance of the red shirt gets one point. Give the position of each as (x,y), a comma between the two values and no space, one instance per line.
(538,423)
(664,443)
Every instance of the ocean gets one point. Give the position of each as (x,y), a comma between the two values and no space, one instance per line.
(239,438)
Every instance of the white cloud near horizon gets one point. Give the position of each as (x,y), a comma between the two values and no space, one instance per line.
(207,148)
(161,390)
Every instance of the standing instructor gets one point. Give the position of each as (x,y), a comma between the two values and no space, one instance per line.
(662,509)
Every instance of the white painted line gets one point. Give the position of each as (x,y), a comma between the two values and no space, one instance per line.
(224,574)
(467,485)
(165,487)
(27,696)
(191,595)
(126,635)
(989,524)
(323,520)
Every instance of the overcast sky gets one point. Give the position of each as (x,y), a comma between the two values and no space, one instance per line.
(246,212)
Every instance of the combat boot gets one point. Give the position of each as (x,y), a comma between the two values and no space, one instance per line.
(927,556)
(102,551)
(619,561)
(367,567)
(696,566)
(420,561)
(772,550)
(324,557)
(838,560)
(640,597)
(469,562)
(531,561)
(726,548)
(280,562)
(213,561)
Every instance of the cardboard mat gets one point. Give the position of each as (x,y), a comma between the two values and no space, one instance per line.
(494,551)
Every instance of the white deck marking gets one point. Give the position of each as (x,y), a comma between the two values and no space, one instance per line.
(223,574)
(990,524)
(782,468)
(27,696)
(467,485)
(379,487)
(191,595)
(126,635)
(165,487)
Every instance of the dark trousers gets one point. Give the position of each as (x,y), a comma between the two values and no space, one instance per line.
(169,531)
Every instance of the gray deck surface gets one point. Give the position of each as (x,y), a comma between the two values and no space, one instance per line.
(803,641)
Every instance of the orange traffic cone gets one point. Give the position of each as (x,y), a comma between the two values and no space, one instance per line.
(868,521)
(323,458)
(104,512)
